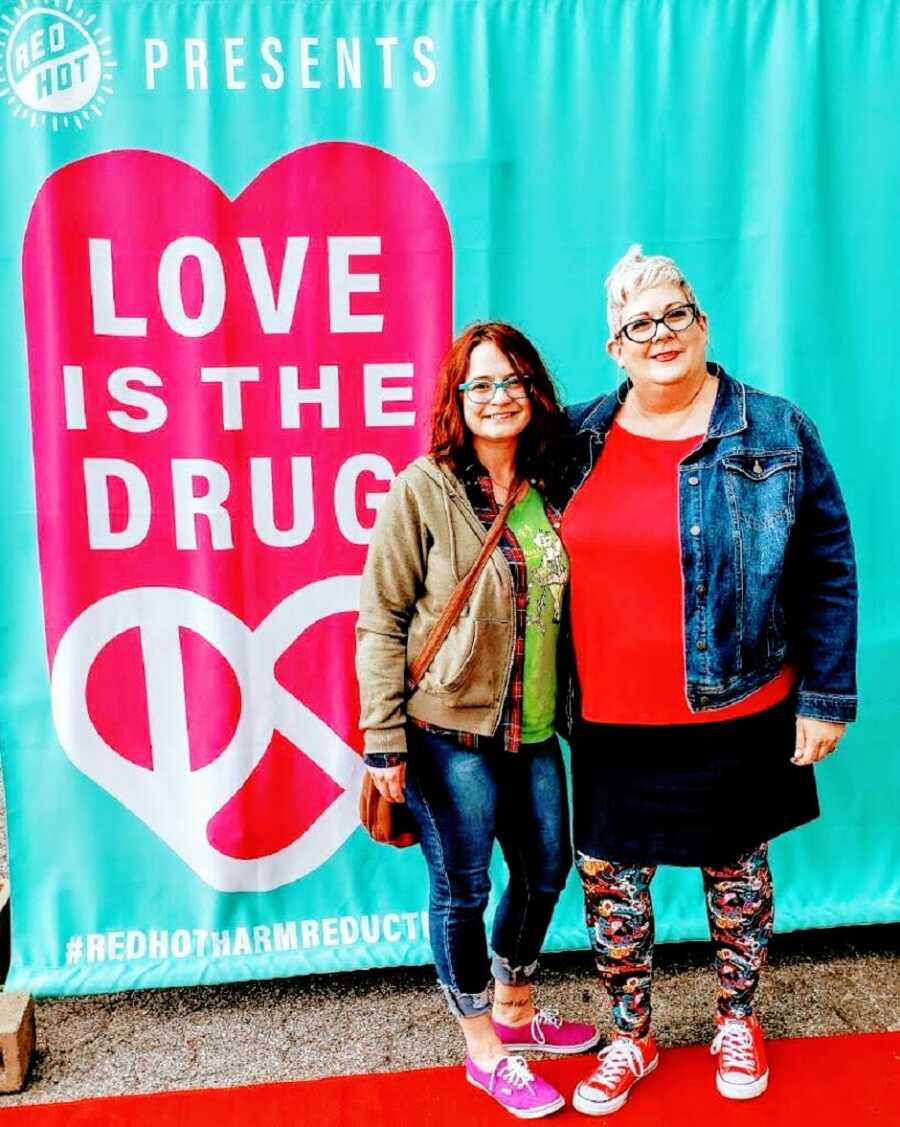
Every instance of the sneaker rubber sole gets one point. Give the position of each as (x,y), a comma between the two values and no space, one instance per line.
(595,1107)
(746,1091)
(559,1050)
(522,1113)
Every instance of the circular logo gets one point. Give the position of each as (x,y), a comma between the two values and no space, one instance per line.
(55,66)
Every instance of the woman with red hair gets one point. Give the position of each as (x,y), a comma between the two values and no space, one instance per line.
(472,749)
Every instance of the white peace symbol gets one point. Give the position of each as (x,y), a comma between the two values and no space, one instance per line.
(174,801)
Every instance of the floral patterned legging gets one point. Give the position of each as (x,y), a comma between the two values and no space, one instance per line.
(619,915)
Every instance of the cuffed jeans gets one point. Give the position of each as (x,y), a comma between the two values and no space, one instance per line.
(462,801)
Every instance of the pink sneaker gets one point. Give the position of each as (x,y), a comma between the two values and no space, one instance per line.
(548,1033)
(514,1086)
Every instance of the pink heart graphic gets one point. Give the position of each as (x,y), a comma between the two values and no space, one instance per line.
(324,291)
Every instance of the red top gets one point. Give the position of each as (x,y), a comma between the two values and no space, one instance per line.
(621,533)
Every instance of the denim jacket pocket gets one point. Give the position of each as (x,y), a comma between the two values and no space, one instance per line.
(760,488)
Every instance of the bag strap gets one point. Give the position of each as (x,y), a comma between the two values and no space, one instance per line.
(461,592)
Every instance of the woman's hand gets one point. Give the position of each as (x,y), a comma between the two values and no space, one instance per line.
(389,781)
(815,740)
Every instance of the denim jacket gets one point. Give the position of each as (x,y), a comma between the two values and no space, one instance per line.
(767,558)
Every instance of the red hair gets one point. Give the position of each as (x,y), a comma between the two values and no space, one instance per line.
(451,440)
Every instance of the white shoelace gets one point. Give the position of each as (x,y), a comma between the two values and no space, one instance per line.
(735,1041)
(514,1071)
(544,1017)
(615,1060)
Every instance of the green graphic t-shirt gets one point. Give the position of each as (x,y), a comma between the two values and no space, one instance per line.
(547,568)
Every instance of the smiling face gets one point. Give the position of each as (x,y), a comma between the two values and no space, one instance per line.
(670,356)
(503,418)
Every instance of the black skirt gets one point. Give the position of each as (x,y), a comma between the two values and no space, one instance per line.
(688,794)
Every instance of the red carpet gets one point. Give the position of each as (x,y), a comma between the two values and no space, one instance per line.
(816,1082)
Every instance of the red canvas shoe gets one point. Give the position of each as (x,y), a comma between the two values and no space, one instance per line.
(547,1032)
(742,1071)
(622,1064)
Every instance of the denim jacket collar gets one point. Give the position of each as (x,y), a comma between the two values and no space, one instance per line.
(729,414)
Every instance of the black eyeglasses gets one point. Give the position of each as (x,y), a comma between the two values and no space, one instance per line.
(483,390)
(642,329)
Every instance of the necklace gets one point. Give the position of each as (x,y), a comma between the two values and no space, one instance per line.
(500,484)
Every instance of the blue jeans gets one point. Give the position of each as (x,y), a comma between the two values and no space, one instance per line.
(463,801)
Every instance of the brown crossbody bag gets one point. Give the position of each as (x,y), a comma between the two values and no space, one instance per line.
(391,822)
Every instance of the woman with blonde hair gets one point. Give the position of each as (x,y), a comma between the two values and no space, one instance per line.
(713,609)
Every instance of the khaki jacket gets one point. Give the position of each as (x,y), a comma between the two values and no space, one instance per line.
(426,538)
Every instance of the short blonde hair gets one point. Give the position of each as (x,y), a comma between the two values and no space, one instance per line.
(635,272)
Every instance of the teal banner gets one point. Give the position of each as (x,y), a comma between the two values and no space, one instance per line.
(236,239)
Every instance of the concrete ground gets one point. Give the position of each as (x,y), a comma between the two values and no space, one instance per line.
(217,1036)
(838,981)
